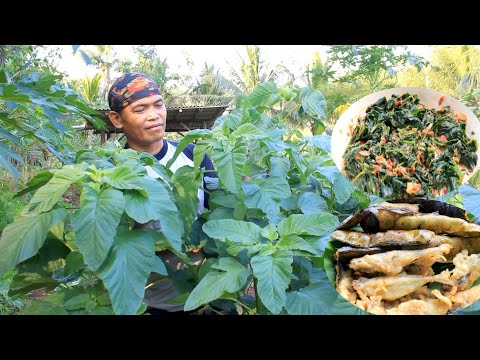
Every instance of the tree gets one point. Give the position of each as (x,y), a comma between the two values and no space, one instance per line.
(211,82)
(320,76)
(374,67)
(104,57)
(91,87)
(17,60)
(252,71)
(454,69)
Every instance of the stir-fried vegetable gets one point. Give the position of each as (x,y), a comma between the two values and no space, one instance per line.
(401,149)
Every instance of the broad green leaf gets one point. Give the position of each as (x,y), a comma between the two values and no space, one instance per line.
(187,139)
(318,161)
(77,302)
(312,203)
(471,199)
(289,203)
(232,120)
(26,282)
(249,131)
(295,242)
(313,102)
(341,186)
(126,269)
(313,224)
(257,198)
(199,152)
(95,223)
(74,262)
(320,141)
(277,188)
(36,182)
(156,206)
(240,211)
(228,276)
(265,94)
(320,298)
(221,213)
(269,232)
(25,236)
(43,307)
(237,231)
(228,201)
(235,249)
(186,195)
(267,249)
(230,166)
(48,195)
(126,176)
(49,258)
(273,273)
(279,167)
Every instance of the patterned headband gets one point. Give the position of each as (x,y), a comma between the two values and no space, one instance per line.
(130,88)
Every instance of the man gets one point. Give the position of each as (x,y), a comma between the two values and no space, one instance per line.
(137,106)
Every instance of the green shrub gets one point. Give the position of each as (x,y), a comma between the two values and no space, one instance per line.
(8,305)
(9,206)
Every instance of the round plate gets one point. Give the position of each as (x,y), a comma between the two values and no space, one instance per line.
(343,130)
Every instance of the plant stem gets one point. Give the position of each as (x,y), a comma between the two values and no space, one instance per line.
(258,303)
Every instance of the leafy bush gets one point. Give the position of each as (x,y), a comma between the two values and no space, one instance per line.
(9,207)
(277,199)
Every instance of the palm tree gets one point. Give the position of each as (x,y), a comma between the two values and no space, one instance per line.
(211,82)
(455,69)
(90,88)
(104,57)
(252,71)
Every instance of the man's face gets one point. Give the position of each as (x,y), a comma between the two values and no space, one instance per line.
(144,122)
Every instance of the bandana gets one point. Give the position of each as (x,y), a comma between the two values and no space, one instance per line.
(130,88)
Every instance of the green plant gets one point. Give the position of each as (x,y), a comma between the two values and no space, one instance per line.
(8,305)
(9,206)
(277,199)
(35,109)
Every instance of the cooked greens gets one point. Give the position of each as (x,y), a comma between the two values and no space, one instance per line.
(402,148)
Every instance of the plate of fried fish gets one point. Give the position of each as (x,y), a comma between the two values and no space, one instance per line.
(408,257)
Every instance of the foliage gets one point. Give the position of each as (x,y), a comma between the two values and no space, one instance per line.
(252,71)
(36,108)
(8,305)
(18,60)
(91,88)
(374,65)
(211,82)
(270,230)
(103,57)
(149,63)
(9,206)
(454,70)
(320,76)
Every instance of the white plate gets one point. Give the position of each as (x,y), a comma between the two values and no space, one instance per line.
(343,130)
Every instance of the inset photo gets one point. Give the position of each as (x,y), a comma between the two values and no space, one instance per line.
(407,257)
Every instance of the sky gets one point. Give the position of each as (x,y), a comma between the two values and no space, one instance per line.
(294,57)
